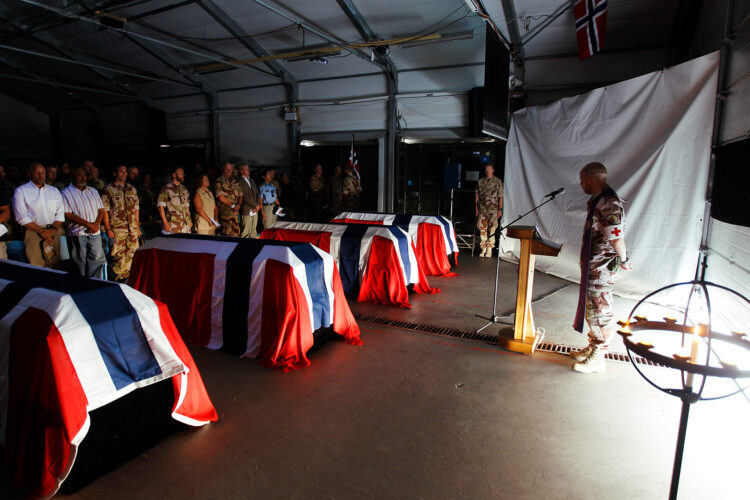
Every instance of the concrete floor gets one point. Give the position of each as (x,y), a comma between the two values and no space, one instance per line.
(411,415)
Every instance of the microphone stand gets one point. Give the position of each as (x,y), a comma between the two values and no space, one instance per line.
(495,318)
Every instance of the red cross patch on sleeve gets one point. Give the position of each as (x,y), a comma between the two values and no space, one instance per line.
(615,232)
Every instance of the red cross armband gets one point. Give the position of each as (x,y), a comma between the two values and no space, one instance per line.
(615,232)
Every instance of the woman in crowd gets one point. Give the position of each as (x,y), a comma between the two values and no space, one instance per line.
(206,211)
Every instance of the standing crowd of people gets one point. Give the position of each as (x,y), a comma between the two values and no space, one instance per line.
(96,216)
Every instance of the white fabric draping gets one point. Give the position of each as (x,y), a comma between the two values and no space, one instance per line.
(653,133)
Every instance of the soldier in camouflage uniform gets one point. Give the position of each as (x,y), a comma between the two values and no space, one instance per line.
(603,253)
(488,207)
(229,196)
(120,200)
(318,194)
(350,194)
(335,191)
(173,204)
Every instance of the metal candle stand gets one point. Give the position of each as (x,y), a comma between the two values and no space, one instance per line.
(688,365)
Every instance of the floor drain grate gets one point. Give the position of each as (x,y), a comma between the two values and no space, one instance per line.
(487,337)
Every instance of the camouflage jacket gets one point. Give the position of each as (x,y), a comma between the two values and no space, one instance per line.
(335,189)
(176,203)
(607,224)
(121,204)
(489,190)
(229,189)
(351,186)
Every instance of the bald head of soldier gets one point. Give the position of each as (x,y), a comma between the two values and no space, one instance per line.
(489,170)
(226,170)
(593,178)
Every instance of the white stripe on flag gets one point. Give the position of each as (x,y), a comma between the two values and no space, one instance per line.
(255,306)
(221,251)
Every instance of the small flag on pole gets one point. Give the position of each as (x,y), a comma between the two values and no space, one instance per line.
(354,163)
(591,25)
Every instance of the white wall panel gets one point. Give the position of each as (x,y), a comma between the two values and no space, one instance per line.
(187,127)
(182,104)
(447,79)
(344,88)
(344,117)
(258,137)
(449,111)
(729,265)
(253,97)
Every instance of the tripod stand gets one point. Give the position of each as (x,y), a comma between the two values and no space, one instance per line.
(495,318)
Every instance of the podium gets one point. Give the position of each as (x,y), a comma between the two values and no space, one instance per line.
(522,336)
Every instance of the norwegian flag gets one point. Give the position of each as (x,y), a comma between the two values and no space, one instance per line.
(591,25)
(353,161)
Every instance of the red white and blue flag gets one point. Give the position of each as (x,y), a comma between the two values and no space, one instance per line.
(433,236)
(361,251)
(591,26)
(72,345)
(354,163)
(251,298)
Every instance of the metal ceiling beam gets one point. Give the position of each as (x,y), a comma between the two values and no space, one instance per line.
(564,7)
(234,29)
(516,42)
(243,37)
(60,84)
(42,80)
(24,98)
(54,43)
(65,13)
(308,26)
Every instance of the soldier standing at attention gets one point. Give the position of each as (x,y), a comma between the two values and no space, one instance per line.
(488,207)
(121,208)
(351,190)
(335,191)
(173,204)
(318,193)
(603,253)
(229,195)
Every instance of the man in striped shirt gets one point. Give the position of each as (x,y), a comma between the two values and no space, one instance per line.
(83,216)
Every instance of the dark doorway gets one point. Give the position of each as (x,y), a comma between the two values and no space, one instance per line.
(421,180)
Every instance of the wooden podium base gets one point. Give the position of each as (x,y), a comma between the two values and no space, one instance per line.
(525,346)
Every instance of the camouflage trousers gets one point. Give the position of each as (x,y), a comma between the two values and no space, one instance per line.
(123,248)
(230,226)
(487,225)
(599,300)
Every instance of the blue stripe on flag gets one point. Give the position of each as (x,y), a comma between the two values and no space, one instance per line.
(403,249)
(351,242)
(117,329)
(315,271)
(447,228)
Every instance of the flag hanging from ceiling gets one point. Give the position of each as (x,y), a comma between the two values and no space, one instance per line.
(354,163)
(591,25)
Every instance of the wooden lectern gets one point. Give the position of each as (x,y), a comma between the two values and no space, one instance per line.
(522,337)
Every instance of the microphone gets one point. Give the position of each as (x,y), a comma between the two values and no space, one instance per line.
(555,193)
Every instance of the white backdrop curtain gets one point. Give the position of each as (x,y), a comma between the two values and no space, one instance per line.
(653,133)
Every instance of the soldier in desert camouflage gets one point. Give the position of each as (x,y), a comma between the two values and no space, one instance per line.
(488,207)
(229,196)
(603,253)
(351,190)
(120,200)
(173,204)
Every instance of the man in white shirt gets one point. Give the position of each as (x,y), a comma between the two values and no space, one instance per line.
(83,215)
(39,208)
